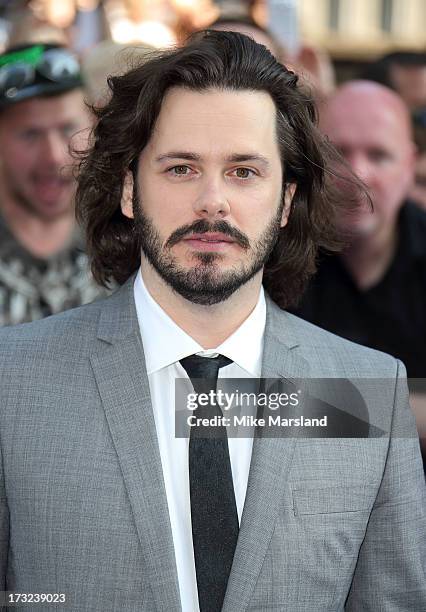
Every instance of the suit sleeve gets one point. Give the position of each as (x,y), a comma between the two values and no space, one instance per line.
(390,575)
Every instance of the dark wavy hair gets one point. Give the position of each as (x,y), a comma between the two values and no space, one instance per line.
(209,60)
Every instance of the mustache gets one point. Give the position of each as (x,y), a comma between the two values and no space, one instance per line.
(203,227)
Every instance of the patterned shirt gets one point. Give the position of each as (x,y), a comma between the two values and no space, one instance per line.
(32,288)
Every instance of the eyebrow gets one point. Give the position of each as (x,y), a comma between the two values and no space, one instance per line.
(234,158)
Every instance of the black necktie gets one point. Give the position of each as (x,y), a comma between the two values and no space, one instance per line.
(213,508)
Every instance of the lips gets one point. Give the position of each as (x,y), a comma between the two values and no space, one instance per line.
(212,238)
(209,242)
(50,188)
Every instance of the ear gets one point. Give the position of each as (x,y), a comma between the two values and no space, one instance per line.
(289,191)
(127,196)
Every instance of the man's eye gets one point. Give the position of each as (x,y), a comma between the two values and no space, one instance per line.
(68,130)
(179,170)
(378,155)
(30,135)
(244,173)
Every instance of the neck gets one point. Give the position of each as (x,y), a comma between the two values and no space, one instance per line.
(207,325)
(369,257)
(40,237)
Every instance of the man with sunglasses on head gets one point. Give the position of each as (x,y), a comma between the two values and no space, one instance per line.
(43,268)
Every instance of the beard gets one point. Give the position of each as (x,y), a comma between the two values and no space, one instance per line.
(204,283)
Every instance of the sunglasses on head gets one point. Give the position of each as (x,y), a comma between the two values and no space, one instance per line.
(26,67)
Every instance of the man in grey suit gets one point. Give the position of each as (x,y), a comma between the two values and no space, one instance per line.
(206,177)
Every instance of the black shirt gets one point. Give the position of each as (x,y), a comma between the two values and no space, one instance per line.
(390,316)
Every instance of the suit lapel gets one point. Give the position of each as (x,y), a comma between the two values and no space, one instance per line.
(271,460)
(119,369)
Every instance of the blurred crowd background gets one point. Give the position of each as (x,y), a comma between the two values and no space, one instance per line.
(364,62)
(332,40)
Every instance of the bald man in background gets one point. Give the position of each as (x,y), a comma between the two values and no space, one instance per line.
(374,292)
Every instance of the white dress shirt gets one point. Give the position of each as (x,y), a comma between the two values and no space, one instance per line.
(165,343)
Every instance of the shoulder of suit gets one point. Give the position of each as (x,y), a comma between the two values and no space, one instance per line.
(331,353)
(52,334)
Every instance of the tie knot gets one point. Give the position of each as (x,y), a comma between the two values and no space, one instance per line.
(206,368)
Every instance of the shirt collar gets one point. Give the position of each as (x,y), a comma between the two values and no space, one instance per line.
(165,342)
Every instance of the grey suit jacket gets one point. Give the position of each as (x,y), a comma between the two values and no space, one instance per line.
(328,524)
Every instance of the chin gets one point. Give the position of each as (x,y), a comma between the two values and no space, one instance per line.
(51,216)
(363,227)
(364,230)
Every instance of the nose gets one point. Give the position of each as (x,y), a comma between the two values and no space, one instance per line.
(361,167)
(54,150)
(211,201)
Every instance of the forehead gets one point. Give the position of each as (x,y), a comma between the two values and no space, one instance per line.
(216,121)
(45,112)
(365,125)
(360,120)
